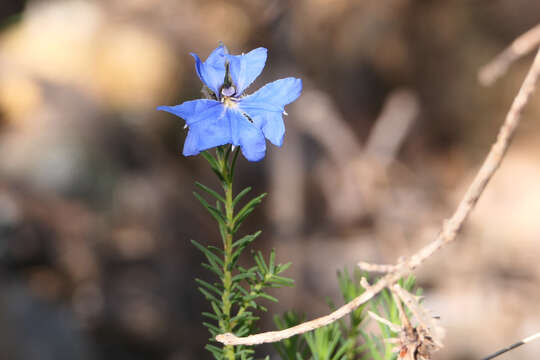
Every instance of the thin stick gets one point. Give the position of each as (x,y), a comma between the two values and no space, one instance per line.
(448,233)
(405,322)
(523,45)
(513,346)
(391,325)
(380,268)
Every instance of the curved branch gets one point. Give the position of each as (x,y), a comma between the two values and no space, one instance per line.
(521,46)
(448,232)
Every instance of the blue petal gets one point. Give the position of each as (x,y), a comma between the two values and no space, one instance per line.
(265,107)
(207,134)
(208,124)
(217,57)
(212,71)
(274,128)
(247,136)
(246,68)
(195,110)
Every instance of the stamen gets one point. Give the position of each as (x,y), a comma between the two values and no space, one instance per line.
(228,91)
(248,117)
(285,113)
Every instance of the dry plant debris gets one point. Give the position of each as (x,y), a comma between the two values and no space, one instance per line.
(421,339)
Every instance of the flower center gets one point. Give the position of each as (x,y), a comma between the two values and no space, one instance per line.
(229,102)
(228,91)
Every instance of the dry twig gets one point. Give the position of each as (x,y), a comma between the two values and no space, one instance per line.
(378,268)
(414,342)
(513,346)
(448,232)
(421,314)
(391,325)
(523,45)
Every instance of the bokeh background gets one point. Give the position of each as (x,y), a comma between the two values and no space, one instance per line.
(96,207)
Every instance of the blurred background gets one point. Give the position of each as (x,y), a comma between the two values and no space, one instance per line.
(96,210)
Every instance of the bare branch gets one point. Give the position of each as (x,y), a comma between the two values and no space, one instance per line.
(405,322)
(420,313)
(513,346)
(499,65)
(379,268)
(364,283)
(391,325)
(448,232)
(392,126)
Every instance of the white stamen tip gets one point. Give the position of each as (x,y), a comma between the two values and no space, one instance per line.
(233,147)
(185,126)
(285,113)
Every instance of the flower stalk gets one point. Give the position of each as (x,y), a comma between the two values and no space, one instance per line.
(233,122)
(227,237)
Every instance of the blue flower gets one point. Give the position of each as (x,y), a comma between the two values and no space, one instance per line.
(230,116)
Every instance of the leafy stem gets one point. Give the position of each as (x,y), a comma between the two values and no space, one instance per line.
(234,296)
(227,237)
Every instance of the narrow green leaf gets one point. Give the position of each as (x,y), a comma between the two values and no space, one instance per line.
(212,258)
(242,290)
(211,316)
(341,350)
(239,221)
(213,269)
(246,240)
(271,262)
(242,276)
(282,280)
(216,309)
(260,263)
(245,351)
(214,165)
(409,283)
(373,349)
(222,228)
(209,286)
(210,158)
(240,195)
(251,297)
(282,267)
(241,245)
(233,162)
(248,208)
(212,210)
(222,231)
(227,152)
(216,351)
(278,321)
(208,295)
(216,249)
(210,191)
(268,297)
(245,316)
(243,331)
(212,327)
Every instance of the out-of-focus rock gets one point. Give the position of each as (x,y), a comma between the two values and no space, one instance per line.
(74,43)
(33,330)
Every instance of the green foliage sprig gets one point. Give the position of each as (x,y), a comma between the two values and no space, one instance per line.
(234,297)
(345,339)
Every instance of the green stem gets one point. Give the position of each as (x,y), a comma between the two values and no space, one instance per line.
(353,337)
(254,290)
(227,172)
